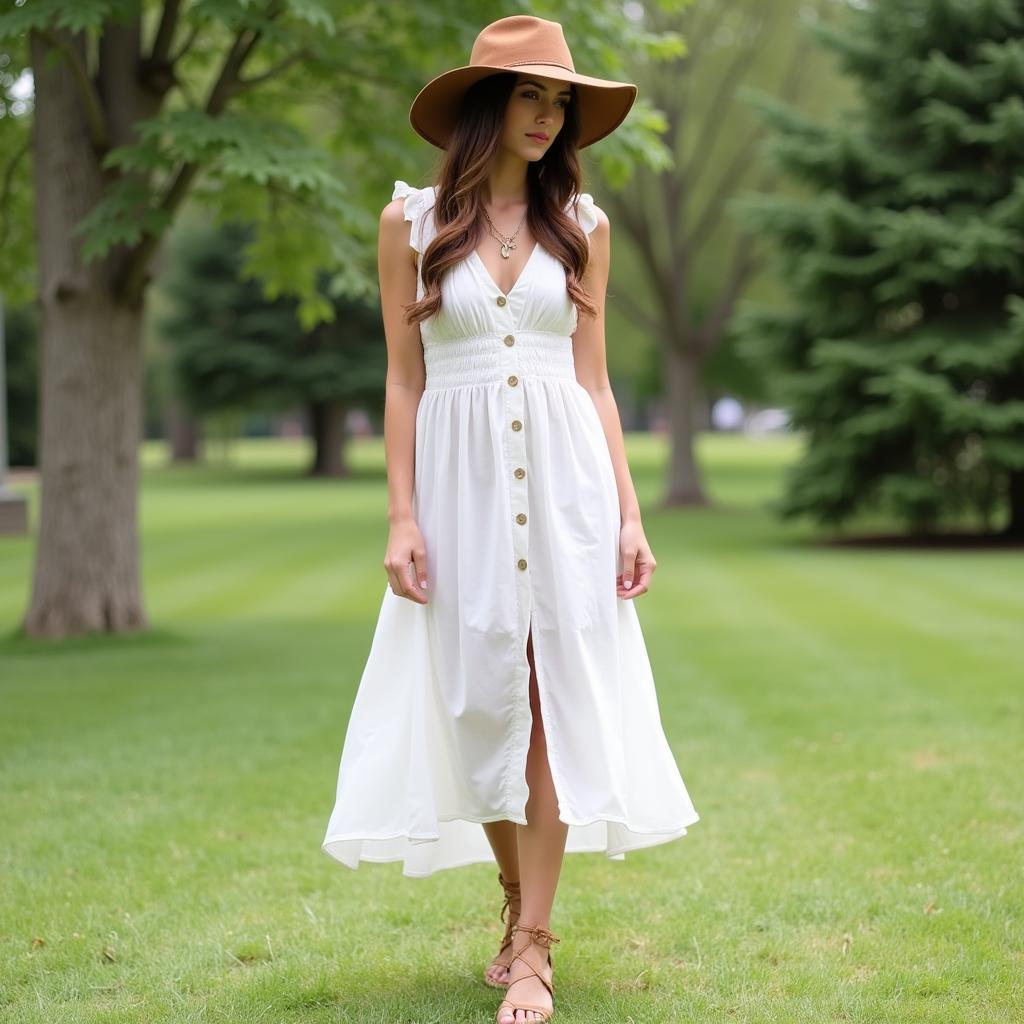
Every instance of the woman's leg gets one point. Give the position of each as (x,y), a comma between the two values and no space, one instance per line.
(542,839)
(505,844)
(541,849)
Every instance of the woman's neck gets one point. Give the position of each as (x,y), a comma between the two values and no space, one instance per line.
(506,184)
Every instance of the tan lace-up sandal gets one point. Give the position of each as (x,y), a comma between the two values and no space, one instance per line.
(513,904)
(539,937)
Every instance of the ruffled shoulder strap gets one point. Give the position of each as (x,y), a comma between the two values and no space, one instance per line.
(584,211)
(418,202)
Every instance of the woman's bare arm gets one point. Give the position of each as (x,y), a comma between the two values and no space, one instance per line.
(589,355)
(403,388)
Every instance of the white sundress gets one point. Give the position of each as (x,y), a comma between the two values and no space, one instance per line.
(515,496)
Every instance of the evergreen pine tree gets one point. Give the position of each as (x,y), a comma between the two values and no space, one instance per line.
(901,352)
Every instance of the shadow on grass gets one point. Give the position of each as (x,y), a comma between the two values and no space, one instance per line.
(153,639)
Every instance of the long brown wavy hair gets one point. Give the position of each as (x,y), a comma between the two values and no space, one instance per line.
(462,174)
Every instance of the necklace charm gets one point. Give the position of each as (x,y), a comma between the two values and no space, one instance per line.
(507,242)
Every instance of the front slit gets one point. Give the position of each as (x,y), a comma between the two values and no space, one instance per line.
(543,715)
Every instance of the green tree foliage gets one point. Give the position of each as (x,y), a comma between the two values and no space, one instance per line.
(902,353)
(234,348)
(289,115)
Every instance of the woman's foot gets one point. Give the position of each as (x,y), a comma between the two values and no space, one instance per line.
(496,974)
(530,995)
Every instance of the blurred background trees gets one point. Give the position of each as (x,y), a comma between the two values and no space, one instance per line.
(815,205)
(688,261)
(233,348)
(901,350)
(288,115)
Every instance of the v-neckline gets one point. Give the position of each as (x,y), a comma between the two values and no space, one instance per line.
(522,273)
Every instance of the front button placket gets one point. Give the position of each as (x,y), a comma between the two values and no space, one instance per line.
(516,426)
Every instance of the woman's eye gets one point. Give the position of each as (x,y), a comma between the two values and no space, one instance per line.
(530,93)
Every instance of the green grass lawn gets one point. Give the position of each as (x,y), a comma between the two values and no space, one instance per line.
(848,723)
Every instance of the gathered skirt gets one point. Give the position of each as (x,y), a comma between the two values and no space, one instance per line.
(516,498)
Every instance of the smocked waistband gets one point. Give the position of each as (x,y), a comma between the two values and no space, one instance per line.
(485,358)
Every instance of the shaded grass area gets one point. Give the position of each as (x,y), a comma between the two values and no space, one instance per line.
(848,723)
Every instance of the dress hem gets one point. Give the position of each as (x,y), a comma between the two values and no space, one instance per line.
(662,835)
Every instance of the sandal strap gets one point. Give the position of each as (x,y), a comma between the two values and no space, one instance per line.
(505,1003)
(541,935)
(549,985)
(512,893)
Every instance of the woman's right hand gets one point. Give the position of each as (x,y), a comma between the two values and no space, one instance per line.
(406,561)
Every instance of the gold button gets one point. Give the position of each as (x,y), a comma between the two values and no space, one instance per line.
(521,563)
(501,300)
(513,380)
(510,339)
(517,425)
(521,518)
(520,473)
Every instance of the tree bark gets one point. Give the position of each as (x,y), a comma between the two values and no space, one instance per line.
(1015,526)
(86,574)
(682,377)
(183,432)
(327,423)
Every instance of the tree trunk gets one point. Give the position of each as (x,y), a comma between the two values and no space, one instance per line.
(327,423)
(682,377)
(182,431)
(1015,527)
(86,573)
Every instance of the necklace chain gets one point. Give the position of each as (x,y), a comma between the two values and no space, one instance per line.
(508,242)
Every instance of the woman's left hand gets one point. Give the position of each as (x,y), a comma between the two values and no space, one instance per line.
(638,563)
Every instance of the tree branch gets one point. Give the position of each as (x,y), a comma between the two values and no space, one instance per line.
(744,265)
(638,228)
(187,44)
(719,12)
(264,76)
(714,117)
(133,278)
(723,187)
(93,106)
(638,314)
(161,50)
(790,84)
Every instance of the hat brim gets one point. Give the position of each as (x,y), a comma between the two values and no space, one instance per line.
(603,104)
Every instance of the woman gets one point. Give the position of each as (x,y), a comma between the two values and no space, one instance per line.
(508,683)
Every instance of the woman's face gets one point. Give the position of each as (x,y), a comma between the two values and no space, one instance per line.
(536,108)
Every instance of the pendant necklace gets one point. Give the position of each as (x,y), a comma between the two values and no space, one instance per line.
(508,242)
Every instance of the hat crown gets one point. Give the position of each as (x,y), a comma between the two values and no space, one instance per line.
(522,39)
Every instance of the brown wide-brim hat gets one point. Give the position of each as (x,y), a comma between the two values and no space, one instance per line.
(522,44)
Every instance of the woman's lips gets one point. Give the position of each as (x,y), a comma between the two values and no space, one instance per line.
(537,136)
